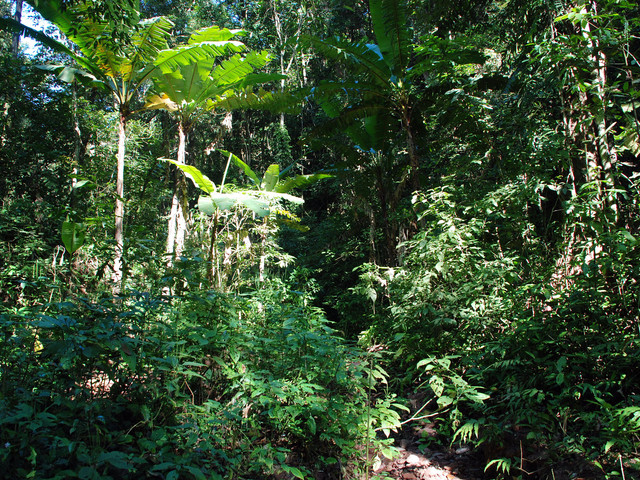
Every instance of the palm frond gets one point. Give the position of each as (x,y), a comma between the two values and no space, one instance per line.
(238,67)
(160,102)
(69,74)
(300,181)
(359,55)
(389,18)
(149,40)
(213,34)
(278,102)
(243,166)
(171,59)
(346,119)
(54,12)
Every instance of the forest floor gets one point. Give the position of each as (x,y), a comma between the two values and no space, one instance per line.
(461,464)
(430,461)
(418,462)
(426,464)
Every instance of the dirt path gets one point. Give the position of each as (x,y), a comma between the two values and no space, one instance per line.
(437,465)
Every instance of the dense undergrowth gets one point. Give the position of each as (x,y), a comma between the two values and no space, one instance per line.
(443,219)
(539,370)
(202,386)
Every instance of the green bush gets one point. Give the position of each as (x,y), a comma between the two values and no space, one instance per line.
(192,387)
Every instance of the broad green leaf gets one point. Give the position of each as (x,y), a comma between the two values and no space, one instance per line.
(16,27)
(277,195)
(270,178)
(608,445)
(83,183)
(213,34)
(300,181)
(73,236)
(171,59)
(389,20)
(69,74)
(117,459)
(293,471)
(206,205)
(238,68)
(311,423)
(198,178)
(245,168)
(227,201)
(198,475)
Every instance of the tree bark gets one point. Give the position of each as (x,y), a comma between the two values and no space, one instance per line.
(119,213)
(178,218)
(15,42)
(77,136)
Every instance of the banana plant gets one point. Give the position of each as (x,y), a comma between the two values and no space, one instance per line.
(275,184)
(191,86)
(384,114)
(117,65)
(262,200)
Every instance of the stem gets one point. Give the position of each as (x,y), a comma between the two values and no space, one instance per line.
(224,175)
(119,213)
(213,253)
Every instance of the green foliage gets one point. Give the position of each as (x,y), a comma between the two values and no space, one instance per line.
(202,387)
(257,201)
(73,235)
(451,392)
(482,231)
(450,286)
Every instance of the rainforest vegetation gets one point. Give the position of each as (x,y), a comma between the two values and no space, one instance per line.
(269,239)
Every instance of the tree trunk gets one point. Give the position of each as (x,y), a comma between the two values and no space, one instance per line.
(414,163)
(77,136)
(179,215)
(15,42)
(263,250)
(119,214)
(214,271)
(282,40)
(171,229)
(606,150)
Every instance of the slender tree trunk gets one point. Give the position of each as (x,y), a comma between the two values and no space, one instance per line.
(15,42)
(606,150)
(373,256)
(414,163)
(214,271)
(119,214)
(172,226)
(183,211)
(263,250)
(77,136)
(178,218)
(282,40)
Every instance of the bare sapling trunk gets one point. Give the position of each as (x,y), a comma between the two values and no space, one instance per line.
(119,214)
(179,215)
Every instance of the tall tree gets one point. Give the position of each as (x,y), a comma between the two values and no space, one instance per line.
(113,60)
(17,16)
(382,103)
(189,87)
